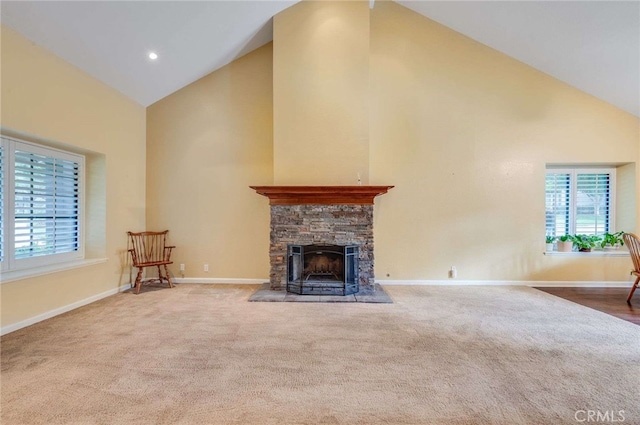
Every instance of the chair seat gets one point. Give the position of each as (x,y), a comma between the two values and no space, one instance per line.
(153,263)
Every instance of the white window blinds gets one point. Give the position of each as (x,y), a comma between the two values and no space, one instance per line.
(42,199)
(558,205)
(579,201)
(593,203)
(46,205)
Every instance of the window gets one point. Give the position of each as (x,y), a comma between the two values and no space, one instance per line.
(41,197)
(579,201)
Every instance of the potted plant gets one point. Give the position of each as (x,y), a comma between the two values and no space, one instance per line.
(586,242)
(565,243)
(612,241)
(550,240)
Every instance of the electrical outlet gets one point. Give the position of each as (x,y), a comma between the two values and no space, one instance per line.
(206,267)
(453,273)
(181,267)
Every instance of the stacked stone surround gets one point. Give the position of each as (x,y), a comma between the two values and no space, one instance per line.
(321,224)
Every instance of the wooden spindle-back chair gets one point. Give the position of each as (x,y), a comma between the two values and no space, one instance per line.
(149,249)
(633,243)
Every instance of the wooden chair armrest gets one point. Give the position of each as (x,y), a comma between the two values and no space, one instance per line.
(167,252)
(134,257)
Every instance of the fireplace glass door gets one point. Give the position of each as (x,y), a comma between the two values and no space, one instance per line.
(322,269)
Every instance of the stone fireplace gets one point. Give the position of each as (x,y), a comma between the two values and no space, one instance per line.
(322,238)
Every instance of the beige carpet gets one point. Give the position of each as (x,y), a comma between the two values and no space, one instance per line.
(202,354)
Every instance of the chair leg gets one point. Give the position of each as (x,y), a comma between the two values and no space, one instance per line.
(138,282)
(160,277)
(633,289)
(166,271)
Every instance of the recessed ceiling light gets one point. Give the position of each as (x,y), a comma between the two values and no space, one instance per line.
(153,56)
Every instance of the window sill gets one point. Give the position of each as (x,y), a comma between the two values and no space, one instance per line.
(620,253)
(52,268)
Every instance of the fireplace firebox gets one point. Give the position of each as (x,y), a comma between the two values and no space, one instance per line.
(322,269)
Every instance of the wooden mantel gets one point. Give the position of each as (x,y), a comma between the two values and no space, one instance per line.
(320,195)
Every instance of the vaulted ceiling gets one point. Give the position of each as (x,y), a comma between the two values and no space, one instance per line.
(593,46)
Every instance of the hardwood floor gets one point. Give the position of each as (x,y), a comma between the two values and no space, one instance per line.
(612,301)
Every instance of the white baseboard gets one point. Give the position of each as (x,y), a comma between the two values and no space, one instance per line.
(443,282)
(52,313)
(581,284)
(540,283)
(229,280)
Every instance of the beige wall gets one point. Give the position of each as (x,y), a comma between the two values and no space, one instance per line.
(206,143)
(464,132)
(320,89)
(45,99)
